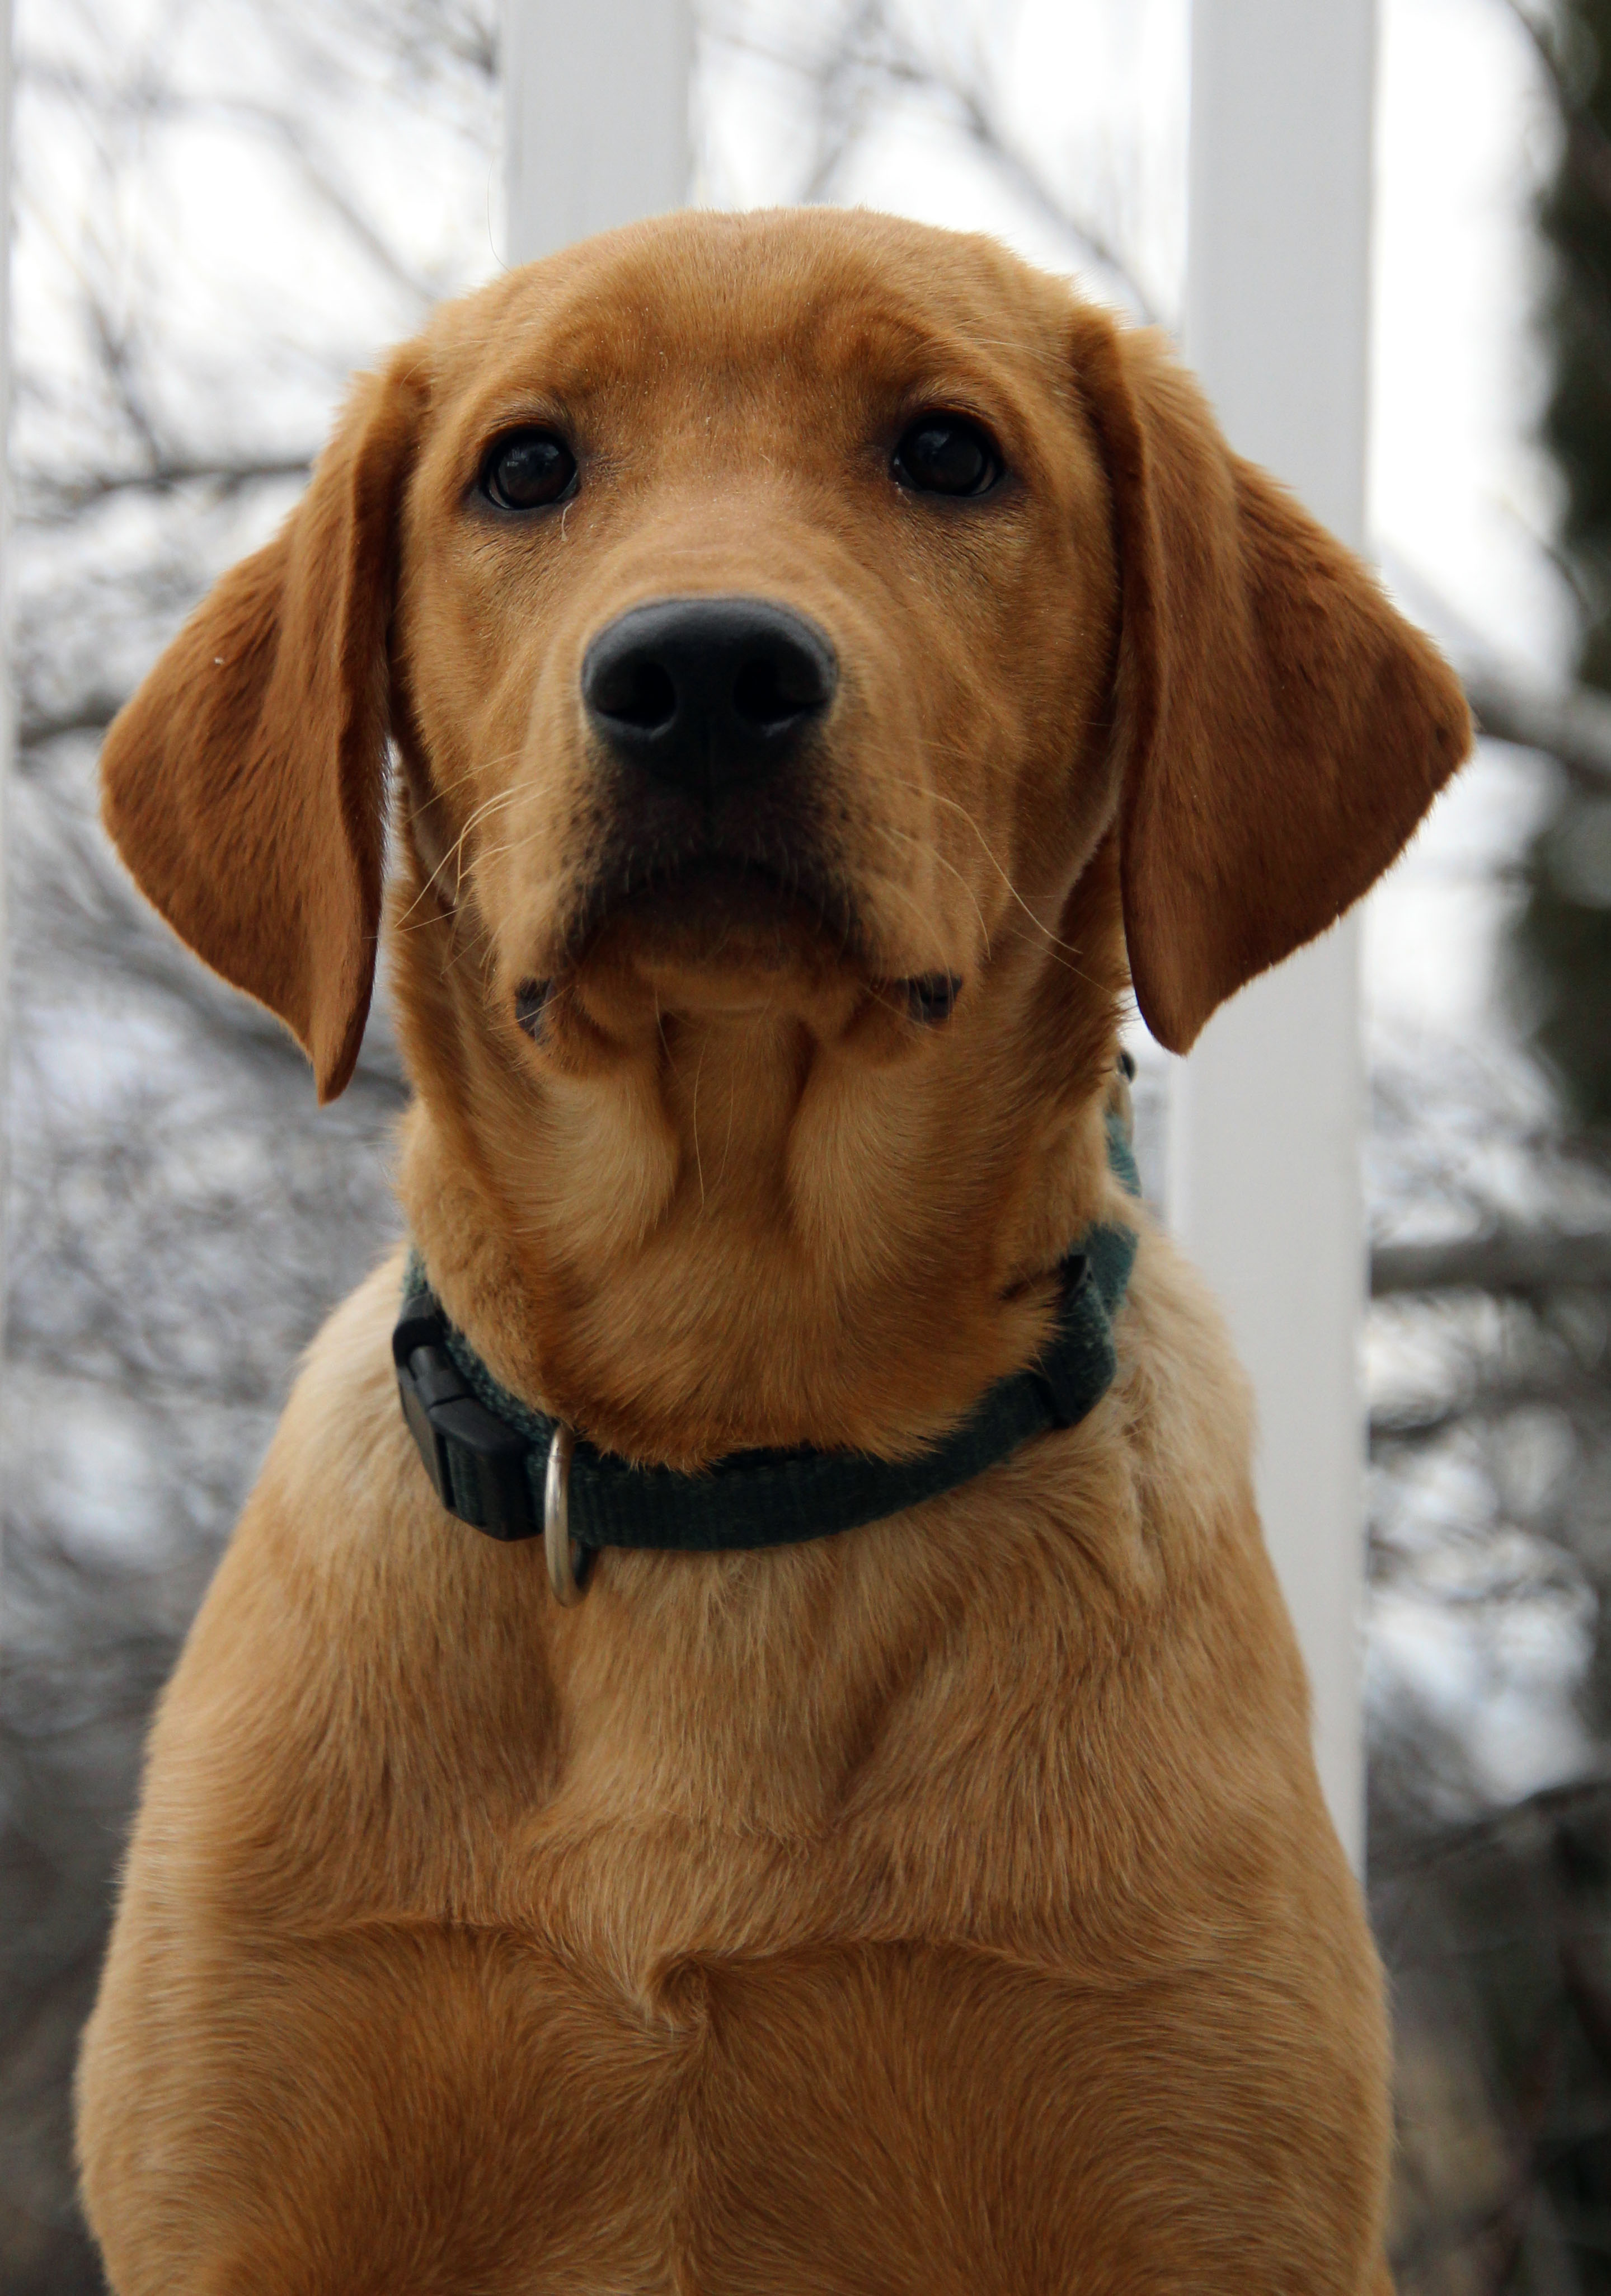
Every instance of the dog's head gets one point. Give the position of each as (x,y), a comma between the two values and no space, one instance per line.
(802,636)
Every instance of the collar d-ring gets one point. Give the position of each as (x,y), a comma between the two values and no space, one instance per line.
(567,1561)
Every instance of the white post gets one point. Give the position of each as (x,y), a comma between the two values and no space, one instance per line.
(595,111)
(1264,1142)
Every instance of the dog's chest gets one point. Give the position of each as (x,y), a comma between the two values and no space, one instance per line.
(882,1981)
(904,2118)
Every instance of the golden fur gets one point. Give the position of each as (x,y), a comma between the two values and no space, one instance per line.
(949,1906)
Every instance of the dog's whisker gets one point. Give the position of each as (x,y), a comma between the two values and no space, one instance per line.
(732,1098)
(1059,952)
(494,804)
(693,1125)
(904,837)
(956,806)
(500,798)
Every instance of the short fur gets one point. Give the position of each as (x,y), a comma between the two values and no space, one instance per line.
(949,1906)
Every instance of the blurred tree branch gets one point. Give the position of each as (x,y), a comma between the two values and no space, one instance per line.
(1521,1260)
(853,71)
(1571,723)
(49,495)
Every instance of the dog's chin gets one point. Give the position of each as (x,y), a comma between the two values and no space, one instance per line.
(721,936)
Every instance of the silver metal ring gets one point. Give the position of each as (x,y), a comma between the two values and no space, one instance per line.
(567,1563)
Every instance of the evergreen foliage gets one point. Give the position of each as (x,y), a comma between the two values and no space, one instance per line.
(1563,932)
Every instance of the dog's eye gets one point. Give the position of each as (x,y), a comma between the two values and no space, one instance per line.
(947,455)
(528,470)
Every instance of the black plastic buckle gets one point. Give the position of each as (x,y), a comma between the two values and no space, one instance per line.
(476,1460)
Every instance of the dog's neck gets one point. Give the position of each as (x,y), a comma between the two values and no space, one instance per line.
(739,1235)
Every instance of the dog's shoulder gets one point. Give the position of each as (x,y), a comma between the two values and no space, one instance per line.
(350,1624)
(337,1443)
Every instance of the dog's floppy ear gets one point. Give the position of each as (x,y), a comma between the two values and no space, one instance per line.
(244,784)
(1282,729)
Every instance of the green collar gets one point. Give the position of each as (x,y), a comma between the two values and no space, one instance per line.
(516,1473)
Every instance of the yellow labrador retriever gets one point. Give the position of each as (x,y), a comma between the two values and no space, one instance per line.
(851,1827)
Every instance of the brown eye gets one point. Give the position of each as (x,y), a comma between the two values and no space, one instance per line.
(528,470)
(947,455)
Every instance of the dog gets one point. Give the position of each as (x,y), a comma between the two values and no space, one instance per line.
(819,665)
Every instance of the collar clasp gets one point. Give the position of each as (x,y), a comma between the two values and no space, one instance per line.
(569,1562)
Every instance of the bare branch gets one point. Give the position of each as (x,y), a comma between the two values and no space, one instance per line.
(1571,725)
(875,51)
(1398,1426)
(46,495)
(1588,146)
(1570,722)
(985,131)
(160,102)
(1521,1262)
(90,714)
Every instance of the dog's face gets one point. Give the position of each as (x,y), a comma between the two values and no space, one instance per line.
(823,660)
(758,602)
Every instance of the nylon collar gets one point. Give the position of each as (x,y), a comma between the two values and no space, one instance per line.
(488,1455)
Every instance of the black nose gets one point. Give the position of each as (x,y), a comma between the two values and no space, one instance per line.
(707,692)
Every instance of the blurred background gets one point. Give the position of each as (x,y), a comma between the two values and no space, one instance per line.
(221,209)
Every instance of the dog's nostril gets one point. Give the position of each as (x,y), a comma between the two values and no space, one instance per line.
(531,1006)
(766,696)
(638,693)
(932,997)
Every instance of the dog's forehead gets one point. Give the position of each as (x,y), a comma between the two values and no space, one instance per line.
(828,304)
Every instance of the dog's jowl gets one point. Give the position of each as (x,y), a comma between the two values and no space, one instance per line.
(746,1739)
